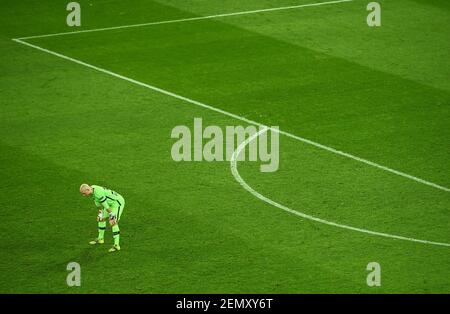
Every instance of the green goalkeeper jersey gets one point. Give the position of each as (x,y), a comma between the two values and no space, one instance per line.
(106,198)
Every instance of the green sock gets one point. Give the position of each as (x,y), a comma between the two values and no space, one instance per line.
(101,229)
(116,234)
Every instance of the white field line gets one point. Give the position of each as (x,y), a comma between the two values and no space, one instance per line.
(237,176)
(189,19)
(199,104)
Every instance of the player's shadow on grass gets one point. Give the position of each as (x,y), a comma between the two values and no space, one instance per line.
(92,254)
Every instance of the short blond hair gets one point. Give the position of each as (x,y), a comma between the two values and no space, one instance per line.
(84,186)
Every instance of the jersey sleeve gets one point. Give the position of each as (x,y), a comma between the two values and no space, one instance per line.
(100,198)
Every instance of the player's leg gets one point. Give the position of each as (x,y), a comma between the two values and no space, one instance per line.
(121,207)
(117,211)
(101,231)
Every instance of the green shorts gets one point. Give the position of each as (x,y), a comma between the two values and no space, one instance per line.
(117,209)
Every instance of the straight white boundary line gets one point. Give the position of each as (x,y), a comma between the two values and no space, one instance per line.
(199,104)
(189,19)
(237,176)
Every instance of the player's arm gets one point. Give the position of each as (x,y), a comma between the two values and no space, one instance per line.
(112,217)
(102,200)
(100,210)
(105,205)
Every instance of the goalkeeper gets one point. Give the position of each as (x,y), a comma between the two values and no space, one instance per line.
(110,206)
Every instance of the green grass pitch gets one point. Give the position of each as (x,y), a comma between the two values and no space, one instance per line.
(379,93)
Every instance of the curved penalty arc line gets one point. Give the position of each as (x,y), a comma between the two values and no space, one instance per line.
(243,183)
